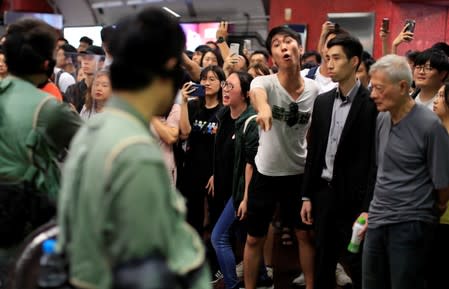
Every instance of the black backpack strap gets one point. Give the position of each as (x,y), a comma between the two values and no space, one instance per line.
(57,77)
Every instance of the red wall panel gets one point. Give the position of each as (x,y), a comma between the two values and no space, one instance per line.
(432,23)
(30,6)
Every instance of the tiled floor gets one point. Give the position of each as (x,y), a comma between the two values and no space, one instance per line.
(285,263)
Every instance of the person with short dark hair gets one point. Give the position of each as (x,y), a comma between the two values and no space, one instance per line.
(284,103)
(107,33)
(122,222)
(260,56)
(310,59)
(322,78)
(430,71)
(3,66)
(363,70)
(92,60)
(85,42)
(412,185)
(198,53)
(340,167)
(35,132)
(65,66)
(61,41)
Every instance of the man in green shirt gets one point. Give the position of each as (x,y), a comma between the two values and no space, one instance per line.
(35,131)
(118,205)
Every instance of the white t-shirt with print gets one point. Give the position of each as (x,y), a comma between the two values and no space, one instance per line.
(283,149)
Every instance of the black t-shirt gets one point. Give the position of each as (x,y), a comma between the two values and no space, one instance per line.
(224,157)
(198,164)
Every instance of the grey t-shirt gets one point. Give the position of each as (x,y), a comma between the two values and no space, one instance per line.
(413,160)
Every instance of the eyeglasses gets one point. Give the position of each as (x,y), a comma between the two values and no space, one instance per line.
(425,68)
(226,85)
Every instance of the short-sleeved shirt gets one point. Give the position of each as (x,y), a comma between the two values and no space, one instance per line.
(412,161)
(283,149)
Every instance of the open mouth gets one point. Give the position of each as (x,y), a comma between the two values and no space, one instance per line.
(286,57)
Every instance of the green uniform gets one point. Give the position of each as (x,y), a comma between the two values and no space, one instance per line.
(118,203)
(34,130)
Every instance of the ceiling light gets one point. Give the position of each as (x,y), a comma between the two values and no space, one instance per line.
(171,12)
(107,4)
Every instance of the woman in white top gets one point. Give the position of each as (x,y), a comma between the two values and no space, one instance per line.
(96,98)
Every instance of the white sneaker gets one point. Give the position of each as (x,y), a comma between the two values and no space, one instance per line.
(341,277)
(269,272)
(300,281)
(217,277)
(239,270)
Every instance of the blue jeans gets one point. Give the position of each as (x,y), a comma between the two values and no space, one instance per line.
(221,240)
(396,256)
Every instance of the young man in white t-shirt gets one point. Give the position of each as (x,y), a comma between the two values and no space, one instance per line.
(284,103)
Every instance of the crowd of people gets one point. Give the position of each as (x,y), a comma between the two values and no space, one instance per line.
(177,170)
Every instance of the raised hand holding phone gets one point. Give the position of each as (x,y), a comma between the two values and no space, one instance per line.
(234,48)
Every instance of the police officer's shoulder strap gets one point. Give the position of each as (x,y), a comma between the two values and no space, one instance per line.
(36,115)
(120,147)
(124,143)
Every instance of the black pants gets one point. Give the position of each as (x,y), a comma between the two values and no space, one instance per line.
(333,232)
(22,209)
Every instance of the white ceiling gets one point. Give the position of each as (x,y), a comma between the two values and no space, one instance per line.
(103,12)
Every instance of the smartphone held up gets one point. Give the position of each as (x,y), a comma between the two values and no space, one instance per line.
(385,25)
(200,90)
(410,25)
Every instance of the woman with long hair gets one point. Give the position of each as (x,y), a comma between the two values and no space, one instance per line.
(440,254)
(96,98)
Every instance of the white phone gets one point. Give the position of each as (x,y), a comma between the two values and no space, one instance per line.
(247,45)
(234,48)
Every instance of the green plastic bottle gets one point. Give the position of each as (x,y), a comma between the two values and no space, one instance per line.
(354,244)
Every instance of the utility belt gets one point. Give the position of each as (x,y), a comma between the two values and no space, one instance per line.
(22,209)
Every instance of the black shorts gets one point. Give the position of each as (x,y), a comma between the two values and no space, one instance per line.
(264,193)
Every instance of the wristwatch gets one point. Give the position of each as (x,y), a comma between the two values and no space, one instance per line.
(221,39)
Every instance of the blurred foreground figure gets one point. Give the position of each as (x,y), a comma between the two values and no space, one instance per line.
(34,131)
(119,213)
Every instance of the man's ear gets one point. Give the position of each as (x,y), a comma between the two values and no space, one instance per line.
(171,63)
(443,75)
(355,62)
(45,65)
(404,87)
